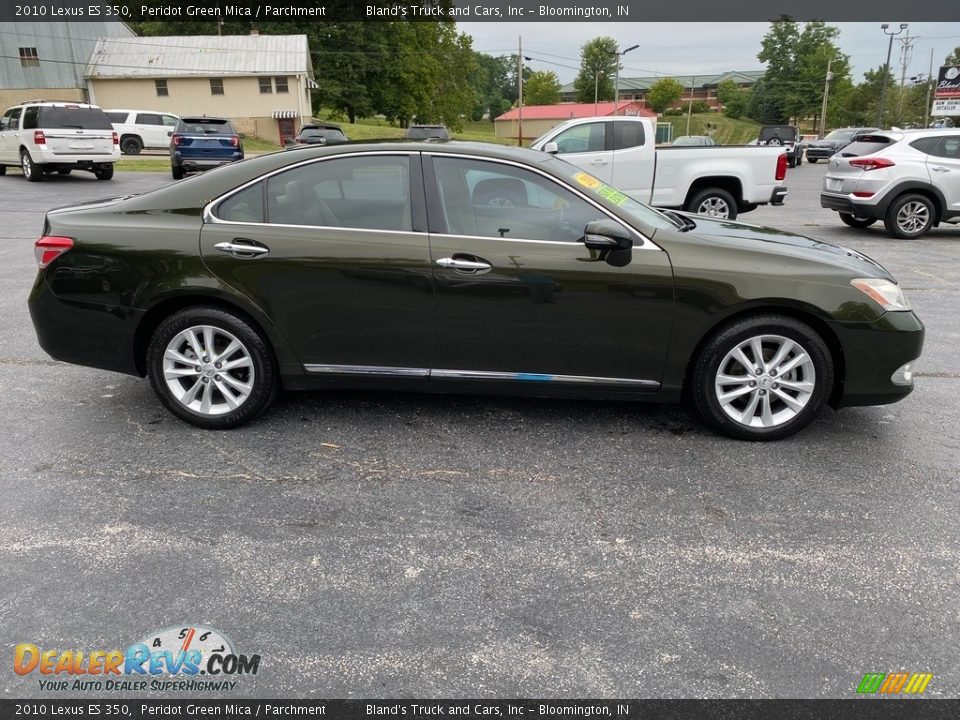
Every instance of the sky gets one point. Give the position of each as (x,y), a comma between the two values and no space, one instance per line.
(708,48)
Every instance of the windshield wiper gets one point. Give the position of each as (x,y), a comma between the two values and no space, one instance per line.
(682,222)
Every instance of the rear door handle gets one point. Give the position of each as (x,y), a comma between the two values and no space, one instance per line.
(470,267)
(940,168)
(242,248)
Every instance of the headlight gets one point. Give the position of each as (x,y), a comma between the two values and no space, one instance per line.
(887,294)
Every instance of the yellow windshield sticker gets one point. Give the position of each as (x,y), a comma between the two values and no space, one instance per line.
(588,181)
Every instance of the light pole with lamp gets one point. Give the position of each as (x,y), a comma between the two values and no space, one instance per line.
(616,86)
(886,68)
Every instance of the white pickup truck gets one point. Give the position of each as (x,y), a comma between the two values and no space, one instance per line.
(710,180)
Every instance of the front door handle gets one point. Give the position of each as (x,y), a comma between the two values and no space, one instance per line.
(598,161)
(242,248)
(470,267)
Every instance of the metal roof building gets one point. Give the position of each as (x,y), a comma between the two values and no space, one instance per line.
(704,86)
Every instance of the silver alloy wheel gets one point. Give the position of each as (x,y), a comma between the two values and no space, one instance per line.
(714,207)
(26,165)
(913,216)
(208,370)
(765,381)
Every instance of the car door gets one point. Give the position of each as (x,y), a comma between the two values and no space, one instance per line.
(521,299)
(632,161)
(10,136)
(943,162)
(150,127)
(335,252)
(589,146)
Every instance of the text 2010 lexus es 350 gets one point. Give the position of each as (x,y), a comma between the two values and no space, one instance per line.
(462,268)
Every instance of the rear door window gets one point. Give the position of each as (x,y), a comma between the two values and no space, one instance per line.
(74,117)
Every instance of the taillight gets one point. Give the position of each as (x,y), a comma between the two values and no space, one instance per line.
(781,167)
(39,138)
(177,139)
(50,247)
(116,139)
(872,163)
(235,141)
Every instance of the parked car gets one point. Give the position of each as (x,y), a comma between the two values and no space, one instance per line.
(693,140)
(909,179)
(834,142)
(719,181)
(139,129)
(317,134)
(427,132)
(384,265)
(45,137)
(201,143)
(786,136)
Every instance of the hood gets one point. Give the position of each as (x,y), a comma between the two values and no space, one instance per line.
(826,143)
(769,241)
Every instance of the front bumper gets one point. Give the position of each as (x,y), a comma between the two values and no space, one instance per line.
(820,153)
(872,353)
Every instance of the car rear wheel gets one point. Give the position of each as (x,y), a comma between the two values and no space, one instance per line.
(856,222)
(131,145)
(30,171)
(211,368)
(762,378)
(3,169)
(714,202)
(177,172)
(812,160)
(104,173)
(910,216)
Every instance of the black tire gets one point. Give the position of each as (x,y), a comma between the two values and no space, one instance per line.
(791,162)
(856,222)
(799,158)
(30,171)
(104,173)
(812,160)
(3,169)
(906,225)
(228,326)
(714,196)
(177,172)
(784,420)
(131,145)
(65,171)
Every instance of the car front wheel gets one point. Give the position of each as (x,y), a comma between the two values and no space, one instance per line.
(211,368)
(856,222)
(910,216)
(762,378)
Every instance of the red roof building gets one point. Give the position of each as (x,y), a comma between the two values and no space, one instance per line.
(537,119)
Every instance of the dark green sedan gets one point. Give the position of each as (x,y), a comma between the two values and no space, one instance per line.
(462,268)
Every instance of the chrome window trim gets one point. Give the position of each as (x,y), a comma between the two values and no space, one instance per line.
(648,244)
(443,374)
(210,217)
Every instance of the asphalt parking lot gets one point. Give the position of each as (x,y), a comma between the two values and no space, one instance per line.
(389,545)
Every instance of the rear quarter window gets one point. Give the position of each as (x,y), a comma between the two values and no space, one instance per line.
(79,118)
(117,117)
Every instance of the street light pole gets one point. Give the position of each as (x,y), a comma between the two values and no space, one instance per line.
(616,85)
(886,68)
(596,90)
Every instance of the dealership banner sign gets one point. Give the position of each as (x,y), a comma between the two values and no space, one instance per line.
(946,98)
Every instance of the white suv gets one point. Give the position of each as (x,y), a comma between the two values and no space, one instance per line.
(44,137)
(139,129)
(910,179)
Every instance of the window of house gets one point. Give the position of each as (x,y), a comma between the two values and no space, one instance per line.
(29,57)
(265,86)
(216,86)
(161,86)
(280,83)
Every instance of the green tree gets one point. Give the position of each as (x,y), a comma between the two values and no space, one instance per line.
(541,88)
(864,100)
(953,58)
(733,98)
(664,93)
(778,50)
(598,65)
(491,85)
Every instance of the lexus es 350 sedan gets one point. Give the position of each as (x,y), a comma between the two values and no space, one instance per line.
(462,268)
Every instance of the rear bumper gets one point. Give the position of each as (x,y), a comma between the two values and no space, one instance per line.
(843,204)
(872,354)
(202,162)
(47,157)
(779,195)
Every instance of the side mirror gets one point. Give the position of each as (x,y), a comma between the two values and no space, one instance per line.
(606,235)
(551,147)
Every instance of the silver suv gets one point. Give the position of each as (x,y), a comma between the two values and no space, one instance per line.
(44,137)
(910,179)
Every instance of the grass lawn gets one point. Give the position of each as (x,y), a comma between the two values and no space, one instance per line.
(725,130)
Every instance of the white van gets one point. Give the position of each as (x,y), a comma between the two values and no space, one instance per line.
(139,129)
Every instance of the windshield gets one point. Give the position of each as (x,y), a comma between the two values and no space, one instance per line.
(784,132)
(328,133)
(644,215)
(79,118)
(421,133)
(840,135)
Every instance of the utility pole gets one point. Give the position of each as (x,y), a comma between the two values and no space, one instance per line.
(826,93)
(693,82)
(906,52)
(930,82)
(519,91)
(886,69)
(596,86)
